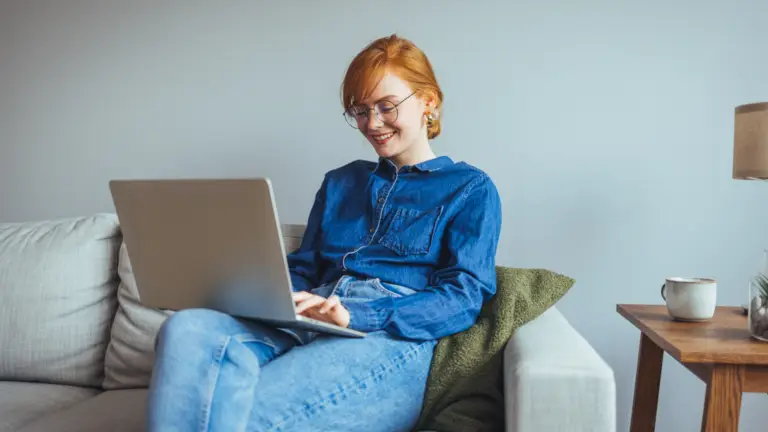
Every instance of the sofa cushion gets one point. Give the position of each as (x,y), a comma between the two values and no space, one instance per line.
(111,411)
(462,387)
(22,403)
(130,354)
(58,283)
(292,236)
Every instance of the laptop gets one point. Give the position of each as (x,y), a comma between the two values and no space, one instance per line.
(211,243)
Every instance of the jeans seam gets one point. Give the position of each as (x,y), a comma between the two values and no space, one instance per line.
(207,402)
(341,389)
(337,285)
(378,284)
(382,289)
(247,338)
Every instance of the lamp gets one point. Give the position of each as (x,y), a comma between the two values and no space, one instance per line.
(750,142)
(750,162)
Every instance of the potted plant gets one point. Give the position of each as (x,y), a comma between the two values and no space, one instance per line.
(758,307)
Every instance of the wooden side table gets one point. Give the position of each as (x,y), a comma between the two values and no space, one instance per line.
(720,352)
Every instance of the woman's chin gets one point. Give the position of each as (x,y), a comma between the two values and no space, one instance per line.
(383,150)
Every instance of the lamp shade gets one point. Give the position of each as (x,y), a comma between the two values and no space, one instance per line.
(750,142)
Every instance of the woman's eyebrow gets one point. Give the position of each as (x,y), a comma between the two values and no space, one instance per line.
(381,99)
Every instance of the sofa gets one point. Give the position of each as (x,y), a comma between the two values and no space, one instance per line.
(76,345)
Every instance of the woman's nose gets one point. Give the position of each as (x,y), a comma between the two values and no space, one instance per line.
(373,121)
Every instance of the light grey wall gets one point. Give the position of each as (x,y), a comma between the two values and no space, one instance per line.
(607,126)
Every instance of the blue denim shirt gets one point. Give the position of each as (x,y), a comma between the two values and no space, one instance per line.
(432,227)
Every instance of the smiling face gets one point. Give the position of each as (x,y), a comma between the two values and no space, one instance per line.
(391,95)
(392,118)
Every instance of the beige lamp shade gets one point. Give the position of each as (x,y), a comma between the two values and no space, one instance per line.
(750,142)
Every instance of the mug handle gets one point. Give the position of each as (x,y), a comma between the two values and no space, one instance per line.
(663,295)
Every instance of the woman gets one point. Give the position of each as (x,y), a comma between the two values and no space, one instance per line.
(402,248)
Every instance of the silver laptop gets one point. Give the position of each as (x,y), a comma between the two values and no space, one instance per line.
(215,244)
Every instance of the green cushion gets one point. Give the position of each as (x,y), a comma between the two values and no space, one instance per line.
(464,389)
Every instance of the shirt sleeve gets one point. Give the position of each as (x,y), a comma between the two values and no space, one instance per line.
(304,264)
(457,291)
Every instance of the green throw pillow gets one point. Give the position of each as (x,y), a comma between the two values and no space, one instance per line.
(464,389)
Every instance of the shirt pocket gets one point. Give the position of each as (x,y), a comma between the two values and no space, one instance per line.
(411,231)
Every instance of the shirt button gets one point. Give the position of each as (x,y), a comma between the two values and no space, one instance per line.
(370,230)
(381,200)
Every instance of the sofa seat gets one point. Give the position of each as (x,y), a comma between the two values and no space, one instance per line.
(22,403)
(112,411)
(71,314)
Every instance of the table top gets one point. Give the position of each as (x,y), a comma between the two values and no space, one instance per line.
(723,339)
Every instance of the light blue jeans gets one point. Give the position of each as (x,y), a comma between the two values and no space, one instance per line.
(217,373)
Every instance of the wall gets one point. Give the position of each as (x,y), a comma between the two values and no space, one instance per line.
(607,126)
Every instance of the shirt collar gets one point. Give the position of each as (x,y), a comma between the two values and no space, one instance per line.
(426,166)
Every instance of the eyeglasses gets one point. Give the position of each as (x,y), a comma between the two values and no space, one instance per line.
(386,112)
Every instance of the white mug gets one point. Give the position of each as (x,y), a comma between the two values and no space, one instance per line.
(690,299)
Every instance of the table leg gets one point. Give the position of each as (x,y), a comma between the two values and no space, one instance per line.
(647,381)
(723,401)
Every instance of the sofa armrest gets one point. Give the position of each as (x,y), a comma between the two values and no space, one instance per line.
(555,381)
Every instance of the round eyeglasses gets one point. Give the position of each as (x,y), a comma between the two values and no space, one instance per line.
(385,110)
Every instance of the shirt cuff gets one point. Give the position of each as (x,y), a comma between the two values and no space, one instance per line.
(364,318)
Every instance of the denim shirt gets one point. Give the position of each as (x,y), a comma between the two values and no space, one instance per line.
(432,227)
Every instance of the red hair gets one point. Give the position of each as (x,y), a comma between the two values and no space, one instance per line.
(400,57)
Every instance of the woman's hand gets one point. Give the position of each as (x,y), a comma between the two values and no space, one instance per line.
(329,310)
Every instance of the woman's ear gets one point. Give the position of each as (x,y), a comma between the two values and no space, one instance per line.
(429,106)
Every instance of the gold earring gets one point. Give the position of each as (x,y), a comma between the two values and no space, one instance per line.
(430,119)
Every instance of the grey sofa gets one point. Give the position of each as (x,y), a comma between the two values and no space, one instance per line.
(77,346)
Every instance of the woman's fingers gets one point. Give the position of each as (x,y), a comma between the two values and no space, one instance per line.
(314,306)
(329,304)
(308,303)
(330,310)
(301,295)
